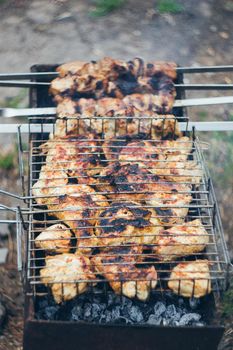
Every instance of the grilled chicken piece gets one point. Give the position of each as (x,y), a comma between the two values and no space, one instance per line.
(148,69)
(130,251)
(156,154)
(150,123)
(67,275)
(175,150)
(113,147)
(50,182)
(127,181)
(149,102)
(176,196)
(116,115)
(191,279)
(55,183)
(183,172)
(70,68)
(54,239)
(118,267)
(177,241)
(93,76)
(136,66)
(137,148)
(77,155)
(75,204)
(126,222)
(79,212)
(130,105)
(133,182)
(109,77)
(141,151)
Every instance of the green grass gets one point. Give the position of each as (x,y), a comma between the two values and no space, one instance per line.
(103,7)
(169,6)
(229,6)
(7,161)
(202,115)
(227,303)
(220,158)
(9,157)
(17,101)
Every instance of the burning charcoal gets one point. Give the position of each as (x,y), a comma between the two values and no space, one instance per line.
(135,314)
(113,299)
(194,303)
(102,318)
(159,308)
(126,307)
(126,302)
(97,310)
(154,320)
(172,315)
(181,311)
(108,316)
(49,313)
(77,313)
(87,311)
(116,313)
(170,311)
(189,319)
(94,300)
(42,303)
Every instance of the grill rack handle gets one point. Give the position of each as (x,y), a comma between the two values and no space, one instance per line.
(20,224)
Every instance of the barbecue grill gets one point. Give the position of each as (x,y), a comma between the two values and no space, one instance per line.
(62,331)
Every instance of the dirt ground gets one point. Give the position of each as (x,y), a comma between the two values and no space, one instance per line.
(58,31)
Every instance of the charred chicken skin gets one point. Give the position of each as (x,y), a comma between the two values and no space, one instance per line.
(137,66)
(191,279)
(127,181)
(79,212)
(178,241)
(126,222)
(118,268)
(133,182)
(67,275)
(177,197)
(113,78)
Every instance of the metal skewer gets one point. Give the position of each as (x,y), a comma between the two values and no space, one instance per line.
(25,84)
(36,75)
(26,112)
(199,126)
(205,69)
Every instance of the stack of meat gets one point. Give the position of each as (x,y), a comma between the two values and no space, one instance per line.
(121,189)
(136,93)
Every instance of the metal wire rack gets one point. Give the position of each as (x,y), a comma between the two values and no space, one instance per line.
(127,260)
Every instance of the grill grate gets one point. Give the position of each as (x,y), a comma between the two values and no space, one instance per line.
(202,206)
